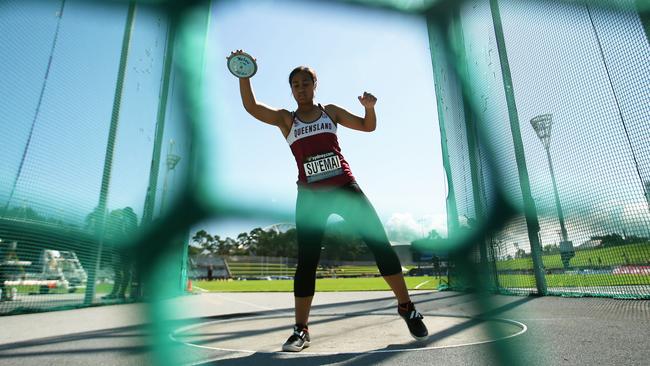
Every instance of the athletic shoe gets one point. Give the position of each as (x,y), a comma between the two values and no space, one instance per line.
(413,320)
(298,340)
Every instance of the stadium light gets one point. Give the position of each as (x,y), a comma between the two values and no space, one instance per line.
(172,161)
(542,125)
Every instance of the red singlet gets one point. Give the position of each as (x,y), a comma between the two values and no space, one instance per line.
(317,152)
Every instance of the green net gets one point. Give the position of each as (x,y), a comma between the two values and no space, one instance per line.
(542,107)
(552,109)
(94,148)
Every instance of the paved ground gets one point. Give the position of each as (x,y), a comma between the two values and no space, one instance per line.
(351,328)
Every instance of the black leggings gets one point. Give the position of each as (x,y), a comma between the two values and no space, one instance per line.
(313,208)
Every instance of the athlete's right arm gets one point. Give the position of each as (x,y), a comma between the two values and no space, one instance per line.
(258,110)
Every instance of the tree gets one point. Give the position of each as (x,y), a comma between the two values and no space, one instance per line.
(227,246)
(610,240)
(91,221)
(433,235)
(341,243)
(24,213)
(206,242)
(120,224)
(193,250)
(551,248)
(520,253)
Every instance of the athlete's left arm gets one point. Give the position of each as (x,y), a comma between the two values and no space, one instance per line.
(367,124)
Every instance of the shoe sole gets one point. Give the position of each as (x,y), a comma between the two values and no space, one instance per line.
(416,337)
(419,338)
(290,348)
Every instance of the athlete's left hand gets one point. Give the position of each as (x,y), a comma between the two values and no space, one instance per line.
(367,100)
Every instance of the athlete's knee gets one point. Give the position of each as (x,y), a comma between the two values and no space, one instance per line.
(387,261)
(304,291)
(307,265)
(304,284)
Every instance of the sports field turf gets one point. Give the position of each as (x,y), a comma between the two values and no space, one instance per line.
(430,283)
(568,280)
(636,254)
(324,284)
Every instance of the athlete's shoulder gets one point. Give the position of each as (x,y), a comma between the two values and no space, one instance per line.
(286,121)
(287,116)
(285,112)
(332,107)
(332,111)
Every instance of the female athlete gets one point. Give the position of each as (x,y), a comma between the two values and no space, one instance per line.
(326,186)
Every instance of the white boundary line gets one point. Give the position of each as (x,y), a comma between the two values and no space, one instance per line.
(422,284)
(523,330)
(199,288)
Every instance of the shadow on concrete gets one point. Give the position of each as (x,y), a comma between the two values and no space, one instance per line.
(377,356)
(333,317)
(62,345)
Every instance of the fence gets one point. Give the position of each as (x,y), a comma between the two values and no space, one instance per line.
(243,267)
(94,149)
(543,109)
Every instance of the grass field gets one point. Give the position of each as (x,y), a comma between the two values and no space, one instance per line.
(323,285)
(276,269)
(614,256)
(566,280)
(430,283)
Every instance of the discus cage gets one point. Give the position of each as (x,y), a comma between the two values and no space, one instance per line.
(544,128)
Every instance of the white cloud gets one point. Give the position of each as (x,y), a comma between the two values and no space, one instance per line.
(404,227)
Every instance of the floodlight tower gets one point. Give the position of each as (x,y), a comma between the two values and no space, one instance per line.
(172,160)
(542,125)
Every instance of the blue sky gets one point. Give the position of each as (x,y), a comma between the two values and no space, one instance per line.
(63,168)
(556,68)
(398,166)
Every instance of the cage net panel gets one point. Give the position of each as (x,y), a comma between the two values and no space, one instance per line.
(82,115)
(578,78)
(96,150)
(102,139)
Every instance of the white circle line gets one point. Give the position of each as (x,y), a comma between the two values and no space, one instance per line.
(523,330)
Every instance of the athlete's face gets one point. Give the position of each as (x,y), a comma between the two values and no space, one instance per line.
(302,87)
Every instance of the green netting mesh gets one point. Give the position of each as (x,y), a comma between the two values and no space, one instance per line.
(544,117)
(571,78)
(93,147)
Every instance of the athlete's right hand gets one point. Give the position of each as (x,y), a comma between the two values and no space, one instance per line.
(238,52)
(241,52)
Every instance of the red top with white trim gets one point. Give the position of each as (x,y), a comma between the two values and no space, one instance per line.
(317,152)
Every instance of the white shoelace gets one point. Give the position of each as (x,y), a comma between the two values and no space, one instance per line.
(414,314)
(299,333)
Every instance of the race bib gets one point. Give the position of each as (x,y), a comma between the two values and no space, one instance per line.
(322,166)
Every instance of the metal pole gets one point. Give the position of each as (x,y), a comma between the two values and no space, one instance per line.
(644,15)
(530,210)
(150,200)
(452,210)
(472,142)
(438,80)
(560,214)
(108,160)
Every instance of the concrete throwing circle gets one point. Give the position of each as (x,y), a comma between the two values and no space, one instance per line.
(345,333)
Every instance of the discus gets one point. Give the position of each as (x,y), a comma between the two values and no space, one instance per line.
(242,65)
